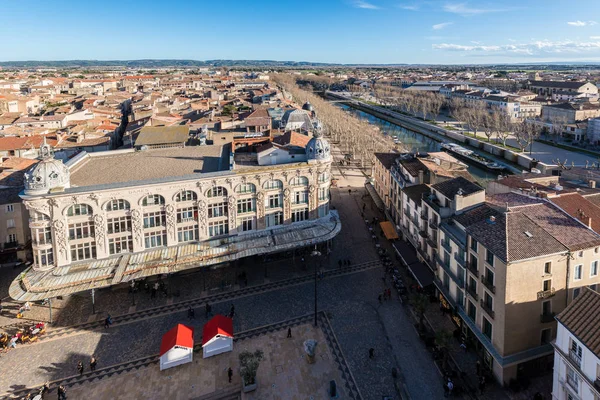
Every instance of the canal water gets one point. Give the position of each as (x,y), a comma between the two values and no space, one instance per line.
(415,141)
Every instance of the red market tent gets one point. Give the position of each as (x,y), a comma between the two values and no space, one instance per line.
(177,346)
(217,336)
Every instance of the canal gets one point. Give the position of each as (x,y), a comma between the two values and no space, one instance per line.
(414,141)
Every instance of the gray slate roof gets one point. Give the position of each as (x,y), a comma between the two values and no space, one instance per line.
(450,187)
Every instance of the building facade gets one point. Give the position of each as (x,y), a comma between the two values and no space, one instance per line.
(140,213)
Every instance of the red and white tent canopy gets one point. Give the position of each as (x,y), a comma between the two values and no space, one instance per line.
(177,346)
(217,336)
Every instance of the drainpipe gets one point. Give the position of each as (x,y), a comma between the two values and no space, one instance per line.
(569,258)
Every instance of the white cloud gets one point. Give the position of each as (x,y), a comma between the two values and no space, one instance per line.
(595,37)
(582,23)
(465,10)
(365,5)
(409,7)
(532,48)
(443,25)
(475,42)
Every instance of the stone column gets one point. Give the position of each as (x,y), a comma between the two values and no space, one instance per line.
(171,218)
(232,213)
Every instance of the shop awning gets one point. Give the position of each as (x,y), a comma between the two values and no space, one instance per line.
(388,230)
(422,273)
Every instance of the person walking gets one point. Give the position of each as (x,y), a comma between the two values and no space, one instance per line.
(232,311)
(289,335)
(371,353)
(450,386)
(191,314)
(206,310)
(108,322)
(380,299)
(478,367)
(93,363)
(229,373)
(154,290)
(62,393)
(481,384)
(80,368)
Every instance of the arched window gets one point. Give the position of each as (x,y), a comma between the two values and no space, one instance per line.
(186,195)
(245,188)
(116,205)
(273,184)
(79,209)
(299,181)
(217,191)
(153,200)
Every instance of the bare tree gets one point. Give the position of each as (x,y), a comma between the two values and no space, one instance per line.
(526,133)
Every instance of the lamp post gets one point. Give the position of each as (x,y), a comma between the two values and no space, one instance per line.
(315,253)
(133,292)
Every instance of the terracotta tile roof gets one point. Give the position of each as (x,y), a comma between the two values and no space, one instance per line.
(570,232)
(413,166)
(582,319)
(579,207)
(292,139)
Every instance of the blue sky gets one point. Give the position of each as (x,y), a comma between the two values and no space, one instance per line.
(344,31)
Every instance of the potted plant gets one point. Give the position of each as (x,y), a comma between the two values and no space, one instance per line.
(249,363)
(310,347)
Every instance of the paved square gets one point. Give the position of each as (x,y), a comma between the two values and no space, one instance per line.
(284,373)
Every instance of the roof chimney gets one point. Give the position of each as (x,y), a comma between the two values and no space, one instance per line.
(592,184)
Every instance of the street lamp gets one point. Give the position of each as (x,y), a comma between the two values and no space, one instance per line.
(133,291)
(315,253)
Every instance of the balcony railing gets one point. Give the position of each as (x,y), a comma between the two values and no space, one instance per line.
(460,260)
(459,280)
(433,223)
(488,284)
(471,266)
(431,242)
(544,294)
(547,317)
(575,358)
(423,234)
(573,383)
(472,291)
(184,220)
(487,308)
(424,216)
(446,245)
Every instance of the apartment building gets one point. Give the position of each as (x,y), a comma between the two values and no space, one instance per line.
(548,88)
(577,350)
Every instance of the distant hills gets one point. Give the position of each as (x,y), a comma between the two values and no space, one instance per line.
(157,63)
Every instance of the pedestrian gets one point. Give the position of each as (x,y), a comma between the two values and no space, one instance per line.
(191,313)
(154,290)
(371,353)
(481,384)
(206,310)
(229,373)
(289,335)
(209,310)
(364,206)
(93,363)
(232,311)
(463,344)
(349,192)
(379,298)
(45,389)
(107,322)
(478,367)
(62,393)
(340,263)
(80,368)
(450,387)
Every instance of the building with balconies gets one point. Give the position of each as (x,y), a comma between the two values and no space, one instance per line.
(577,349)
(112,217)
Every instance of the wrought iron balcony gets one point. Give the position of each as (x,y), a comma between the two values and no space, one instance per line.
(433,223)
(488,284)
(471,266)
(446,245)
(423,234)
(487,308)
(548,317)
(424,216)
(472,291)
(460,260)
(545,294)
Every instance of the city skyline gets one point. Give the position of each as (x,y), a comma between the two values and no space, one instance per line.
(344,32)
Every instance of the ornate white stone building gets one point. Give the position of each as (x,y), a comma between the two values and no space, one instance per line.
(112,217)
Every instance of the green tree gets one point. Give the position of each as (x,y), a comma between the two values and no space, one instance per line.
(419,302)
(249,363)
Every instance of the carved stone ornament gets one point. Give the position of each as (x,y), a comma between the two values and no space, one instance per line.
(286,193)
(170,211)
(136,223)
(99,229)
(61,236)
(94,197)
(232,202)
(311,189)
(229,181)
